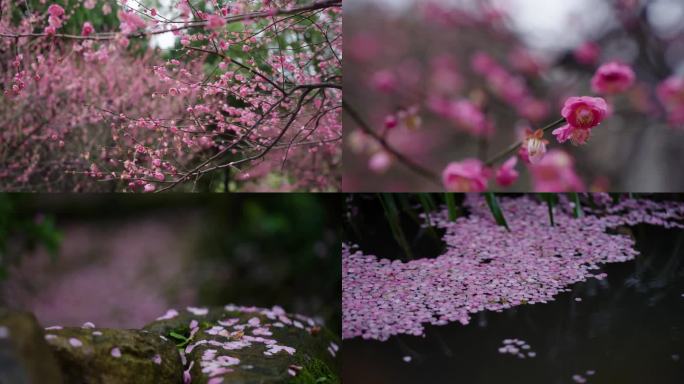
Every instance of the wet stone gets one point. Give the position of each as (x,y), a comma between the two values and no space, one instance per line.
(109,356)
(250,345)
(25,357)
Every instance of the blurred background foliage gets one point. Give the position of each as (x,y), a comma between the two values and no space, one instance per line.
(263,250)
(19,232)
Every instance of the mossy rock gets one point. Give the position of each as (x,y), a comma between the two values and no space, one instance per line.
(25,357)
(245,345)
(109,356)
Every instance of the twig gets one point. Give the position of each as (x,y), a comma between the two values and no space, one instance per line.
(426,173)
(517,145)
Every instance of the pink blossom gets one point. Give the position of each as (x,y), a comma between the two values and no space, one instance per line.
(55,10)
(577,136)
(587,53)
(469,175)
(469,117)
(410,118)
(671,94)
(87,29)
(506,174)
(612,78)
(380,162)
(486,268)
(384,81)
(584,111)
(390,121)
(89,4)
(130,22)
(50,30)
(482,63)
(116,352)
(555,173)
(534,146)
(150,187)
(524,61)
(215,22)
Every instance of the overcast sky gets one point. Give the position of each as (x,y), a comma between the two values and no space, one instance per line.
(542,23)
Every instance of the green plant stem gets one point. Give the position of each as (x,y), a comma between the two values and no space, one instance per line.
(451,205)
(495,208)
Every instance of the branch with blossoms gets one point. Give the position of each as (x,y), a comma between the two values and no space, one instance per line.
(250,97)
(579,116)
(484,93)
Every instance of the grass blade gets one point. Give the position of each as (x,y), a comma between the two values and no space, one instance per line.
(392,215)
(495,208)
(578,206)
(451,205)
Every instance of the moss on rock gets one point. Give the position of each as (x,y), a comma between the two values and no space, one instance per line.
(109,356)
(245,345)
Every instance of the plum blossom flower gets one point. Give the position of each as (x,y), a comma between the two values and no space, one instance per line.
(555,173)
(380,162)
(534,146)
(469,175)
(384,81)
(87,29)
(671,94)
(149,187)
(215,22)
(469,117)
(587,53)
(391,122)
(55,10)
(611,78)
(584,111)
(130,22)
(410,118)
(55,18)
(577,136)
(506,174)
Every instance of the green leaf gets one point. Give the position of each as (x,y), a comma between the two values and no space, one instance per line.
(551,199)
(495,208)
(451,205)
(392,215)
(177,336)
(578,206)
(425,203)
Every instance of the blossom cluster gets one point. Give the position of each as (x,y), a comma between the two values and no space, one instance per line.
(486,267)
(241,98)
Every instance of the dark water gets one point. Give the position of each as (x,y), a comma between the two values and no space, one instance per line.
(628,328)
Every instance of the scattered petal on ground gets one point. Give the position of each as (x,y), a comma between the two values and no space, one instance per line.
(486,267)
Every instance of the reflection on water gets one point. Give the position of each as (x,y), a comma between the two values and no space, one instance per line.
(628,328)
